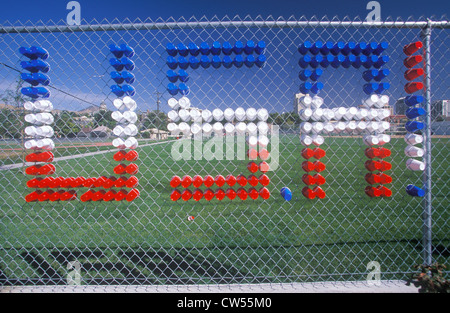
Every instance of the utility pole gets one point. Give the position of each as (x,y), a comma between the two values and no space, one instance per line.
(158,94)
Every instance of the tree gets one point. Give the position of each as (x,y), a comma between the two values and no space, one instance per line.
(65,125)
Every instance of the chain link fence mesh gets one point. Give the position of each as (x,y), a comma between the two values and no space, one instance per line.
(151,240)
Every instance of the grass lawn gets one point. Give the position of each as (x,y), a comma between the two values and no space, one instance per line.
(150,240)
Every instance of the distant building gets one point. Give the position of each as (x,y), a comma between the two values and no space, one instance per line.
(91,110)
(101,131)
(440,109)
(297,104)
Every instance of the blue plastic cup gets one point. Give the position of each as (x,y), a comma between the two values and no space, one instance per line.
(286,193)
(337,48)
(349,46)
(413,100)
(304,47)
(205,62)
(171,63)
(194,63)
(204,48)
(35,66)
(359,61)
(227,48)
(249,47)
(227,61)
(171,75)
(316,87)
(305,87)
(370,88)
(337,61)
(325,50)
(250,61)
(216,61)
(415,191)
(370,48)
(382,74)
(171,49)
(327,61)
(383,87)
(116,51)
(39,52)
(183,63)
(27,52)
(116,64)
(370,61)
(304,75)
(194,50)
(182,49)
(183,89)
(128,77)
(216,48)
(369,75)
(183,76)
(260,60)
(238,60)
(315,48)
(412,113)
(128,90)
(35,92)
(238,47)
(117,77)
(359,47)
(172,89)
(316,74)
(117,90)
(381,61)
(260,47)
(304,61)
(127,50)
(127,63)
(349,60)
(315,61)
(380,48)
(35,78)
(413,126)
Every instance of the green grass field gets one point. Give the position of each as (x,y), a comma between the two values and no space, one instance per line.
(150,240)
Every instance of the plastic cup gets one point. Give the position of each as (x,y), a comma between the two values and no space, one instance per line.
(413,113)
(319,192)
(264,180)
(339,113)
(328,128)
(413,87)
(371,140)
(263,167)
(263,128)
(305,114)
(228,114)
(131,143)
(218,115)
(262,114)
(317,140)
(252,129)
(412,61)
(219,180)
(197,195)
(413,151)
(252,180)
(264,193)
(372,165)
(132,169)
(317,114)
(231,194)
(307,153)
(372,192)
(412,47)
(220,194)
(350,126)
(385,179)
(306,140)
(383,139)
(319,153)
(372,178)
(413,139)
(412,126)
(308,166)
(415,165)
(208,194)
(385,166)
(306,127)
(371,100)
(308,193)
(383,153)
(385,192)
(286,193)
(308,179)
(413,100)
(241,180)
(415,191)
(230,180)
(229,129)
(317,128)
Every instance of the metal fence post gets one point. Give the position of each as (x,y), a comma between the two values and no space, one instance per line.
(427,205)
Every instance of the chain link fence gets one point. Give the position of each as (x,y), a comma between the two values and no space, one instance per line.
(339,235)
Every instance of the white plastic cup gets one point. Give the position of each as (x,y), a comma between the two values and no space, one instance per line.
(371,101)
(118,104)
(31,118)
(361,126)
(413,151)
(218,128)
(45,118)
(316,102)
(184,128)
(317,140)
(184,115)
(173,116)
(384,113)
(207,116)
(46,144)
(130,103)
(45,131)
(252,141)
(383,139)
(371,140)
(306,100)
(240,114)
(317,127)
(384,126)
(252,129)
(196,128)
(229,129)
(306,127)
(207,129)
(317,114)
(263,141)
(30,144)
(339,127)
(350,114)
(173,128)
(263,128)
(196,116)
(415,165)
(30,131)
(328,127)
(119,143)
(328,114)
(372,126)
(130,130)
(118,117)
(29,106)
(251,114)
(173,103)
(361,114)
(339,113)
(184,102)
(218,114)
(130,116)
(383,101)
(118,131)
(413,139)
(262,114)
(372,114)
(228,114)
(350,126)
(306,140)
(43,105)
(305,114)
(131,143)
(240,127)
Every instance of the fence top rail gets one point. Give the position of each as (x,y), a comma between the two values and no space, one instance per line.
(219,24)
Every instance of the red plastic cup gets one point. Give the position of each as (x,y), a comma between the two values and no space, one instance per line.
(175,181)
(412,61)
(371,165)
(120,182)
(32,170)
(67,182)
(264,193)
(78,182)
(385,166)
(34,183)
(120,169)
(308,179)
(384,152)
(186,181)
(32,197)
(252,167)
(372,192)
(132,169)
(100,181)
(45,196)
(132,182)
(45,182)
(31,157)
(208,181)
(372,178)
(197,195)
(241,180)
(412,47)
(264,154)
(253,193)
(186,195)
(110,195)
(318,191)
(89,182)
(109,182)
(264,180)
(56,182)
(372,153)
(119,155)
(132,195)
(208,194)
(132,155)
(98,196)
(47,169)
(413,73)
(385,192)
(320,180)
(219,180)
(308,193)
(121,195)
(87,196)
(252,154)
(308,166)
(319,153)
(231,180)
(242,194)
(413,87)
(219,194)
(68,195)
(45,156)
(231,194)
(197,181)
(264,167)
(253,180)
(319,166)
(175,195)
(56,196)
(385,179)
(307,153)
